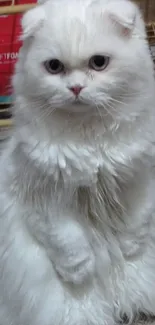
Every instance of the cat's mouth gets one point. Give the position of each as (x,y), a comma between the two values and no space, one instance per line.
(77,101)
(76,105)
(79,106)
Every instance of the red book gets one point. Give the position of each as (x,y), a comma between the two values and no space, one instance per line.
(10,31)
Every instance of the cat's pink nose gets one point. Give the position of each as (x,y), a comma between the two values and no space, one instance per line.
(76,90)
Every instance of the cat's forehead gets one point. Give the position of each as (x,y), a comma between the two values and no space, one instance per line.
(74,16)
(78,30)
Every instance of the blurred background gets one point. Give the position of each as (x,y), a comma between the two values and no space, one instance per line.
(148,9)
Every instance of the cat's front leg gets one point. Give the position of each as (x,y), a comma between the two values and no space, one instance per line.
(65,238)
(71,252)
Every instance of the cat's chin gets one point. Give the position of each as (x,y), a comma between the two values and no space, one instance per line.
(77,107)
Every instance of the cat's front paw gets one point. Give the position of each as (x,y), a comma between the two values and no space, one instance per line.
(78,272)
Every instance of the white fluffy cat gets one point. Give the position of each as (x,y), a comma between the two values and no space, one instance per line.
(77,207)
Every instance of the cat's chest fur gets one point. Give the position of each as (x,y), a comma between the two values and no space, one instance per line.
(79,175)
(75,164)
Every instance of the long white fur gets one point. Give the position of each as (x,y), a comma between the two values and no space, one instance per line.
(77,208)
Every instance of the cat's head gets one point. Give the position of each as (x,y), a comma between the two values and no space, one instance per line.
(88,56)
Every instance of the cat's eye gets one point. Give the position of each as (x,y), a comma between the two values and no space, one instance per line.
(54,66)
(99,62)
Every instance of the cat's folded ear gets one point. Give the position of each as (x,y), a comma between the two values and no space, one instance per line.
(32,21)
(123,13)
